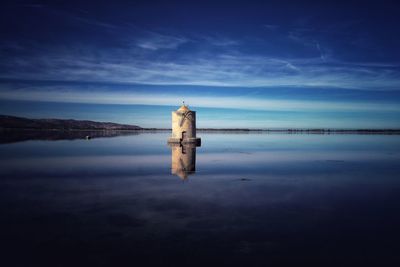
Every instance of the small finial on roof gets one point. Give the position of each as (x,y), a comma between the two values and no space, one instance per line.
(184,107)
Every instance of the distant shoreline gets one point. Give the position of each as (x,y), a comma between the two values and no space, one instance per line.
(215,130)
(12,123)
(327,131)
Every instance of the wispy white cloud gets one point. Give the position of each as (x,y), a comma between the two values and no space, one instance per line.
(320,51)
(224,69)
(149,58)
(217,40)
(303,37)
(162,57)
(156,41)
(292,67)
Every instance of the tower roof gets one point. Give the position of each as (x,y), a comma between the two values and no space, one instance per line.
(184,108)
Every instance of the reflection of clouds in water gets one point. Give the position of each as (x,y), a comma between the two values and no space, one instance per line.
(86,165)
(238,203)
(184,164)
(267,157)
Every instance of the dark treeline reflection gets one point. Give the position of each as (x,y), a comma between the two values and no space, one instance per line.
(255,200)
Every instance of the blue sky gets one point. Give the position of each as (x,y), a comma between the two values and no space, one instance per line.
(246,64)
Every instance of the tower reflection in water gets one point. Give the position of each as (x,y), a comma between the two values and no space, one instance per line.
(183,160)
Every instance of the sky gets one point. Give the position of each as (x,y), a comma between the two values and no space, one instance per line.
(241,64)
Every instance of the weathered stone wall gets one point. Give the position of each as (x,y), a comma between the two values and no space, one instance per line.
(188,126)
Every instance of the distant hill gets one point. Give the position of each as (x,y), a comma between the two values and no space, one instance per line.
(11,122)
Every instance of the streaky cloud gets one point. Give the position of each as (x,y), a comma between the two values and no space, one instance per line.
(249,102)
(231,68)
(156,41)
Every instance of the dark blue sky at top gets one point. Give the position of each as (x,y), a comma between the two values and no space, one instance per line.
(261,25)
(316,57)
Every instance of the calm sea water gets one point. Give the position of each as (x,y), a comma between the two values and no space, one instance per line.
(239,199)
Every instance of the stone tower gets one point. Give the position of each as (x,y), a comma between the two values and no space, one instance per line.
(184,127)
